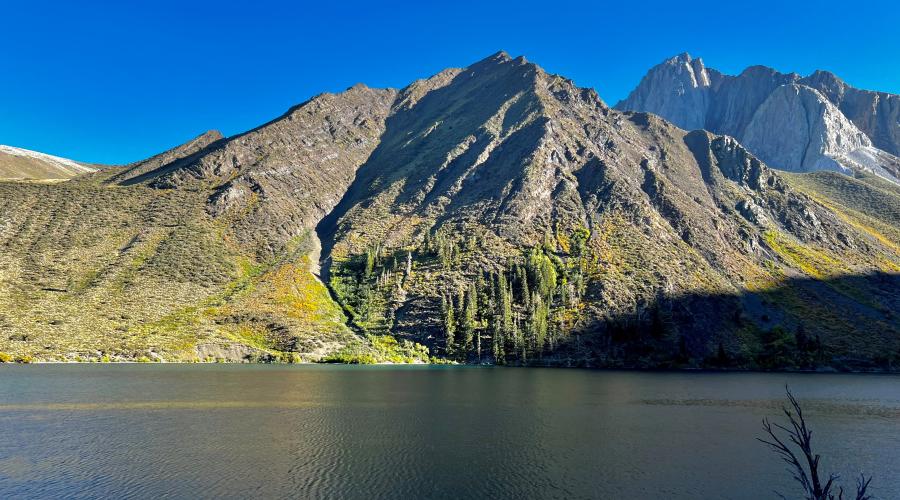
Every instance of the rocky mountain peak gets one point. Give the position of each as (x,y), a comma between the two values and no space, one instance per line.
(677,89)
(792,123)
(499,56)
(826,78)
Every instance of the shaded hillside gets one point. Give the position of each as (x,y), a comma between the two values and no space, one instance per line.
(797,324)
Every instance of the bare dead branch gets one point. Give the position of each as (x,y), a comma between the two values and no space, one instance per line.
(805,470)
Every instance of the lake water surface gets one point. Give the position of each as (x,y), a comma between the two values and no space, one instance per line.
(184,431)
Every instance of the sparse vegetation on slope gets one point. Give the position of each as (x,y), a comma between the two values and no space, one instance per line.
(498,214)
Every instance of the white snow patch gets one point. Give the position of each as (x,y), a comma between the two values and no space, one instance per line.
(63,163)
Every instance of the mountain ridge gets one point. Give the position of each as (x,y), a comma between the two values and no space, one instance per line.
(849,129)
(495,213)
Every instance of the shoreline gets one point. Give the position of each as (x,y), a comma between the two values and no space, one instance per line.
(819,371)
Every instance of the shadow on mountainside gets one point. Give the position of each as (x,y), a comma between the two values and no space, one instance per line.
(429,164)
(843,323)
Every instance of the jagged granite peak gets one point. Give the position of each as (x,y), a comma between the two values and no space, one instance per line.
(746,106)
(678,89)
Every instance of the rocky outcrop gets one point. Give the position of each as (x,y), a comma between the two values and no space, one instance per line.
(231,353)
(792,123)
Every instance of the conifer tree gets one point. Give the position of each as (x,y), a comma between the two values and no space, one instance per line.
(370,263)
(507,325)
(495,318)
(536,327)
(449,321)
(470,311)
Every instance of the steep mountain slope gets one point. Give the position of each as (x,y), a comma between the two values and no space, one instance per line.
(495,213)
(795,125)
(17,163)
(792,123)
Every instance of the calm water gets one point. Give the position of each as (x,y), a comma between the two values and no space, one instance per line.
(426,432)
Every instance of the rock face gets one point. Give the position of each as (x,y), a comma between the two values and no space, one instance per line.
(495,213)
(677,89)
(792,123)
(797,128)
(18,163)
(875,113)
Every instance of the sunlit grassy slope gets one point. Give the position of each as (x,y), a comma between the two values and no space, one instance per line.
(90,271)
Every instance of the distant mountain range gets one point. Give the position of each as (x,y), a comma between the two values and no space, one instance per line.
(489,214)
(799,124)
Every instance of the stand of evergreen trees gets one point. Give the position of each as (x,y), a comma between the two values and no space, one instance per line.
(517,311)
(513,315)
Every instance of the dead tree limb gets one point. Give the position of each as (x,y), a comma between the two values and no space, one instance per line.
(795,449)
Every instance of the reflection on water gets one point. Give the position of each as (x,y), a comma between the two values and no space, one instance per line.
(388,432)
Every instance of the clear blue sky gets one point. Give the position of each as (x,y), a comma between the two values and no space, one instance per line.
(111,82)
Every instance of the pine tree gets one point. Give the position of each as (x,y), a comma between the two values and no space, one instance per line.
(549,242)
(370,263)
(507,325)
(536,328)
(449,322)
(721,359)
(470,311)
(579,241)
(495,318)
(427,243)
(524,290)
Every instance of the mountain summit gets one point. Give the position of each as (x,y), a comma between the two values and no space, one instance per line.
(494,213)
(800,124)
